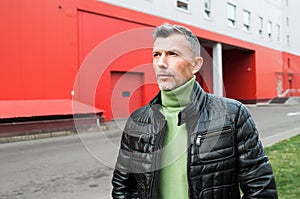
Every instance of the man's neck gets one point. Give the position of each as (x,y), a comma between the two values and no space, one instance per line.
(178,97)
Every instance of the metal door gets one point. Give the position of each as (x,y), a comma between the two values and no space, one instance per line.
(127,93)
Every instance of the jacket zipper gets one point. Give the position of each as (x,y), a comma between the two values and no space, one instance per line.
(213,133)
(188,159)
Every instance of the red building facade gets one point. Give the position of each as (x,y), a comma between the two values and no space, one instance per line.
(100,54)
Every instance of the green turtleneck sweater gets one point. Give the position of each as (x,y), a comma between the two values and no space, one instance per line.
(173,177)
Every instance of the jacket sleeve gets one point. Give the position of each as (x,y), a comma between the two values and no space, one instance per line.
(123,181)
(255,172)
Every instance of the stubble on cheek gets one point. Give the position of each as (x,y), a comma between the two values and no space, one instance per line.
(166,84)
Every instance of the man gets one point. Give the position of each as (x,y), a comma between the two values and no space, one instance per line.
(187,143)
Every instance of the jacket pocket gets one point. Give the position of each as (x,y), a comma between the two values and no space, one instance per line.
(138,141)
(215,145)
(222,192)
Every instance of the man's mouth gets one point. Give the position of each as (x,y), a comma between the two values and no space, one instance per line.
(164,75)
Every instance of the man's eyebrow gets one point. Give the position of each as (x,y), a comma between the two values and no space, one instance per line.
(155,51)
(178,52)
(175,50)
(167,50)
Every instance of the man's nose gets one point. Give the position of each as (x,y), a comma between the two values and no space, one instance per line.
(162,62)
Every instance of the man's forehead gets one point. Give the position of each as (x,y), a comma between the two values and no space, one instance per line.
(165,49)
(171,43)
(171,38)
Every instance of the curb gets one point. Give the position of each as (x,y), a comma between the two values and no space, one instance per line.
(19,138)
(268,141)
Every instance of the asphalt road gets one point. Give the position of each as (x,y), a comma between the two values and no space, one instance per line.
(276,122)
(80,166)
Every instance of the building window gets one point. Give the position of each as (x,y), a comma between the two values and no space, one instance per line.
(231,9)
(246,19)
(260,25)
(269,29)
(278,32)
(183,4)
(207,8)
(287,22)
(288,40)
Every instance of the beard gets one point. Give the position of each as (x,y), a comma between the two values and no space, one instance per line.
(166,85)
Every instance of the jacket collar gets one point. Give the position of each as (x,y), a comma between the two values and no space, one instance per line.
(198,102)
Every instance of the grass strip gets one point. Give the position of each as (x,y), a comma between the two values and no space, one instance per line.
(285,160)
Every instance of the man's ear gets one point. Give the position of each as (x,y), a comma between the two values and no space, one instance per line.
(197,64)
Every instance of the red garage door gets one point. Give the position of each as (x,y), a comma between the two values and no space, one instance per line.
(127,93)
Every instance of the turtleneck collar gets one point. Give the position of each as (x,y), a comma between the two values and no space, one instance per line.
(178,97)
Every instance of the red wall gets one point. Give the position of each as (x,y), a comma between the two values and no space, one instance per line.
(239,75)
(123,54)
(45,43)
(35,58)
(269,63)
(205,76)
(291,72)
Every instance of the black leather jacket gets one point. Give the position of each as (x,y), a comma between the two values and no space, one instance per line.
(224,153)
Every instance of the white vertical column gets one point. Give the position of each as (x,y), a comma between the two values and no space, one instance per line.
(217,70)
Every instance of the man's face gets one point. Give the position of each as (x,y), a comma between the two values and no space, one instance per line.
(173,62)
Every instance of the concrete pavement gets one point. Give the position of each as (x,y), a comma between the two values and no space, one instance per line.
(80,165)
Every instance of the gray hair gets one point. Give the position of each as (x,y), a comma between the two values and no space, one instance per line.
(166,30)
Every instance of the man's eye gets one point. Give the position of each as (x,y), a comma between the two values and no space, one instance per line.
(173,54)
(156,54)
